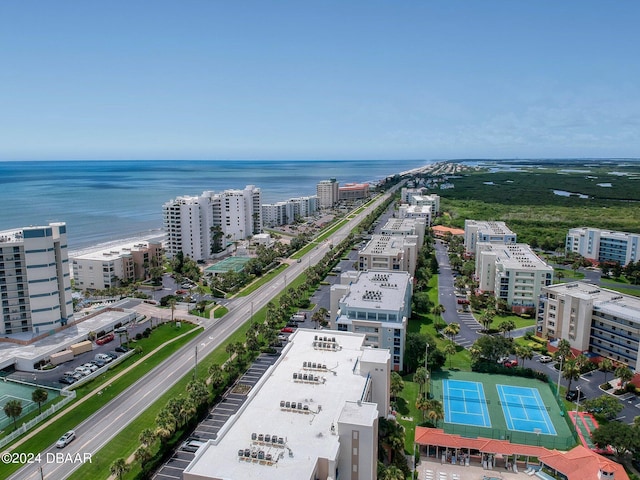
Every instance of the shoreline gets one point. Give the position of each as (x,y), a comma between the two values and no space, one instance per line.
(157,234)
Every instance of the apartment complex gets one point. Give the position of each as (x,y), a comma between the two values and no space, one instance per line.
(406,227)
(283,213)
(353,191)
(111,266)
(432,201)
(35,285)
(328,193)
(592,319)
(416,211)
(313,416)
(476,231)
(512,273)
(390,252)
(604,245)
(203,226)
(377,304)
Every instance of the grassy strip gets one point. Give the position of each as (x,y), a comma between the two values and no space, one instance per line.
(256,284)
(220,311)
(80,410)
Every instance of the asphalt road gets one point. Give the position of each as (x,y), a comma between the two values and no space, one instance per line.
(99,429)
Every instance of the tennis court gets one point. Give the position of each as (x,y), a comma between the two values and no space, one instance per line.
(524,410)
(465,403)
(230,263)
(505,407)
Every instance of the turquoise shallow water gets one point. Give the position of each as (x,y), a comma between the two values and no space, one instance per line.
(107,200)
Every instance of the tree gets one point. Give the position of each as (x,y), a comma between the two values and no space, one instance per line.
(392,473)
(171,303)
(438,310)
(147,437)
(119,467)
(605,405)
(39,396)
(143,454)
(506,326)
(452,330)
(391,438)
(13,409)
(570,372)
(486,319)
(450,351)
(435,412)
(197,390)
(606,365)
(624,374)
(422,404)
(397,384)
(492,348)
(421,378)
(564,350)
(620,436)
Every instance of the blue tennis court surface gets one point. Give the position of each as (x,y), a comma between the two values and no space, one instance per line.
(524,410)
(465,403)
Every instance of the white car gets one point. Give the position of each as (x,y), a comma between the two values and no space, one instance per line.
(90,366)
(545,359)
(83,370)
(66,439)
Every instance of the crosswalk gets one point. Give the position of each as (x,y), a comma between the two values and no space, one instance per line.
(471,323)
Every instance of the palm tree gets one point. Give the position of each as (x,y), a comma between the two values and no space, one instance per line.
(317,317)
(13,409)
(571,372)
(422,404)
(606,365)
(450,351)
(564,349)
(397,384)
(172,305)
(524,352)
(506,326)
(392,473)
(436,411)
(147,437)
(143,454)
(119,467)
(420,377)
(197,390)
(39,395)
(438,310)
(486,319)
(452,330)
(624,374)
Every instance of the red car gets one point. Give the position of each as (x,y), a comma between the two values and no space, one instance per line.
(106,339)
(511,363)
(287,330)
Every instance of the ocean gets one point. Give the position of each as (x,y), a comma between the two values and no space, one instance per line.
(105,201)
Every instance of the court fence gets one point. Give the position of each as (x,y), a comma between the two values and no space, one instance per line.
(68,396)
(525,438)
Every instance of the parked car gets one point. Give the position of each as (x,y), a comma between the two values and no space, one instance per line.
(122,349)
(287,330)
(90,366)
(83,370)
(545,359)
(67,379)
(66,439)
(106,339)
(573,395)
(104,357)
(511,363)
(192,444)
(113,355)
(120,330)
(76,375)
(99,362)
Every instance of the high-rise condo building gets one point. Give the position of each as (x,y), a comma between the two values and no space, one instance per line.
(476,231)
(205,225)
(328,193)
(35,283)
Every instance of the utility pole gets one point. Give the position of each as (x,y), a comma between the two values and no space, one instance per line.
(559,376)
(426,367)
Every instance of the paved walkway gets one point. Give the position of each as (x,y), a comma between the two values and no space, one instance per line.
(432,469)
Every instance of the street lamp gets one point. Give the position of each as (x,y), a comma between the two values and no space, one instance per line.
(559,375)
(577,398)
(426,367)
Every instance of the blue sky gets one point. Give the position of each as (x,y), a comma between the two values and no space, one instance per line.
(319,79)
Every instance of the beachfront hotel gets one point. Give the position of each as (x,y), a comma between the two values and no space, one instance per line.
(604,246)
(328,193)
(353,191)
(312,416)
(205,225)
(476,231)
(376,303)
(109,267)
(594,319)
(513,273)
(35,284)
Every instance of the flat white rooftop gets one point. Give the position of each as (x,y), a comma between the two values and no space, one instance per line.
(378,290)
(307,434)
(383,245)
(493,228)
(113,251)
(603,299)
(518,256)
